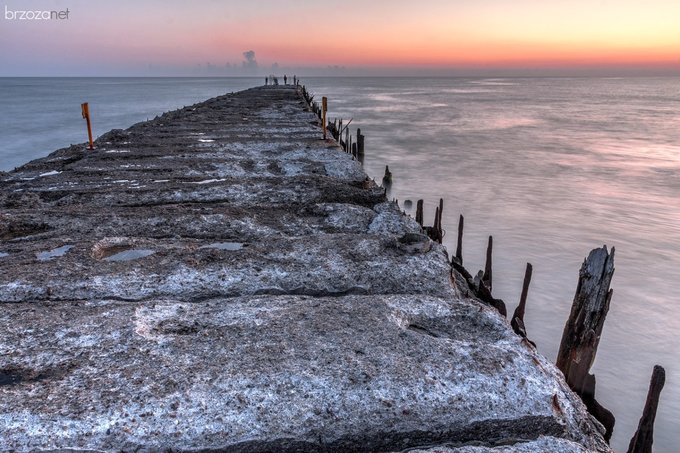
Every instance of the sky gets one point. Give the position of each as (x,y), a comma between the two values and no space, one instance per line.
(349,37)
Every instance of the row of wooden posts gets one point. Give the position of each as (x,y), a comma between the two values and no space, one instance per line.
(583,328)
(338,130)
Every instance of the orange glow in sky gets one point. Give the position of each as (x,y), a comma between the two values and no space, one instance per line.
(135,35)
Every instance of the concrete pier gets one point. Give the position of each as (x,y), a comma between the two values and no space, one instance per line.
(222,279)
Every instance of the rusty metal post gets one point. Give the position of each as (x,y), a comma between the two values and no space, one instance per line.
(84,107)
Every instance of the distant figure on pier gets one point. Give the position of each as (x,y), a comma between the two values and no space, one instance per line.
(266,80)
(285,79)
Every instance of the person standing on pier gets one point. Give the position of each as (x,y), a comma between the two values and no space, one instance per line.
(266,81)
(285,79)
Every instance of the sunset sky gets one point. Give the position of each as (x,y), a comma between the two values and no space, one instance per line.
(179,37)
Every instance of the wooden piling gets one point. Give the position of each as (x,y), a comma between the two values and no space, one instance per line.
(360,143)
(85,110)
(644,436)
(517,321)
(434,232)
(459,245)
(324,109)
(387,179)
(486,279)
(419,212)
(583,329)
(441,212)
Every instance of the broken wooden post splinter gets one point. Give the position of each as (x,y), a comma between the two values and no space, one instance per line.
(517,321)
(360,144)
(434,232)
(486,279)
(419,212)
(644,436)
(439,224)
(459,245)
(583,330)
(387,179)
(324,109)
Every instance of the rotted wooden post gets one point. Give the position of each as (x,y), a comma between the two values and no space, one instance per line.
(437,233)
(434,232)
(517,321)
(583,329)
(419,212)
(644,436)
(387,178)
(486,279)
(459,244)
(360,145)
(439,225)
(324,109)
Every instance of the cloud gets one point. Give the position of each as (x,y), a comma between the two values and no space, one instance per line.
(250,61)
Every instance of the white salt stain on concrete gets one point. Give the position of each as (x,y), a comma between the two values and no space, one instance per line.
(207,181)
(50,173)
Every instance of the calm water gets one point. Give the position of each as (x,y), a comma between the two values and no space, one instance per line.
(550,167)
(40,115)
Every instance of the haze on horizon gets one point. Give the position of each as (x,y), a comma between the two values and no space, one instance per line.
(396,37)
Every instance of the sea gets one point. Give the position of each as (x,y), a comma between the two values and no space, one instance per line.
(550,167)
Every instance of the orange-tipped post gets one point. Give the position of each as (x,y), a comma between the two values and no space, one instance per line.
(86,114)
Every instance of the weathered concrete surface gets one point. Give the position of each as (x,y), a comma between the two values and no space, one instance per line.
(220,279)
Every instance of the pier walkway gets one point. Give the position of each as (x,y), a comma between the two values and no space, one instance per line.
(222,279)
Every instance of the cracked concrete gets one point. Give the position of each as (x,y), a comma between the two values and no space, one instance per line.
(221,279)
